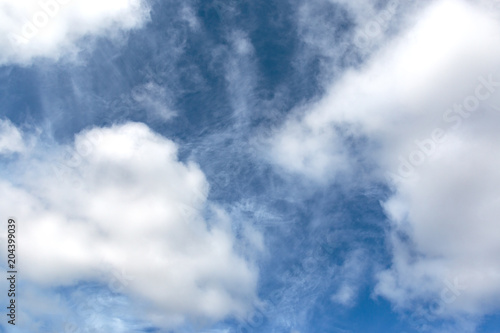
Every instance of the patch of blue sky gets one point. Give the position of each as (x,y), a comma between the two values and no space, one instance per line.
(173,75)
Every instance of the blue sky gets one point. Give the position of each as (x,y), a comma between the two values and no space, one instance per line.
(252,166)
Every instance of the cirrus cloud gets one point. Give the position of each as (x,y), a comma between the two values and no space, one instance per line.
(437,79)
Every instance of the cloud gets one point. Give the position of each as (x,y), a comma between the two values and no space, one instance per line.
(344,295)
(350,273)
(11,140)
(53,28)
(154,99)
(318,154)
(117,207)
(452,209)
(425,102)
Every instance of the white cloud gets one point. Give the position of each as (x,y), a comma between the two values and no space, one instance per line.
(188,15)
(128,209)
(350,273)
(452,209)
(403,97)
(154,99)
(361,10)
(314,152)
(52,28)
(344,295)
(11,140)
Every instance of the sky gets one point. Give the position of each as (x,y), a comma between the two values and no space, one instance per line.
(281,166)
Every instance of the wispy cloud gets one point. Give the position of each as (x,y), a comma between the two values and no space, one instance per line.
(395,101)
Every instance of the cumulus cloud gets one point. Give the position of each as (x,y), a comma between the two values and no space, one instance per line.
(452,207)
(52,28)
(426,102)
(124,210)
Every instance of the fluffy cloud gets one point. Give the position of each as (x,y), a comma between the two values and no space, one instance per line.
(450,208)
(427,102)
(124,211)
(52,28)
(299,148)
